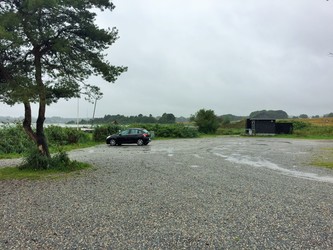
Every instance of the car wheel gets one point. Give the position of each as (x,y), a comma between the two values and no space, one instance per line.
(139,142)
(112,142)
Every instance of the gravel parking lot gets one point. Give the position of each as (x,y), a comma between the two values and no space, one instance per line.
(219,193)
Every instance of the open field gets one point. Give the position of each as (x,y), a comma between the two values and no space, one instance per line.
(326,121)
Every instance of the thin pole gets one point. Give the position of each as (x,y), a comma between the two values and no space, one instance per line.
(77,113)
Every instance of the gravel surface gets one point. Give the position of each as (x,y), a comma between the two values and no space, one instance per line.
(221,193)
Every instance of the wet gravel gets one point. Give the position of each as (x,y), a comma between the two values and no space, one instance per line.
(221,193)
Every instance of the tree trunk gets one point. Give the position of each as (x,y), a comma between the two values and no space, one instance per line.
(27,122)
(41,139)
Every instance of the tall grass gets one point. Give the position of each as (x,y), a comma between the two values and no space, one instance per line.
(304,129)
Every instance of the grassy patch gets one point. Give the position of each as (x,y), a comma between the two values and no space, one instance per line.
(323,164)
(10,173)
(54,149)
(324,159)
(10,156)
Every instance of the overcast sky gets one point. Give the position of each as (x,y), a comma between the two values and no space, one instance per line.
(231,56)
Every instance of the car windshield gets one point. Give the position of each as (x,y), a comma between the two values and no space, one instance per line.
(145,131)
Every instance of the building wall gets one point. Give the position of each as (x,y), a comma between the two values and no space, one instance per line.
(267,126)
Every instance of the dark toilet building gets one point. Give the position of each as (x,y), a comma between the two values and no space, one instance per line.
(267,126)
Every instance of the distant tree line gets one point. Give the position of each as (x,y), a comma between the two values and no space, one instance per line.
(166,118)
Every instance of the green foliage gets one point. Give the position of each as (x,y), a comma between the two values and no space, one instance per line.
(64,34)
(10,173)
(14,139)
(329,115)
(324,164)
(17,141)
(167,119)
(231,118)
(101,132)
(36,161)
(62,136)
(308,130)
(269,114)
(60,161)
(121,119)
(56,134)
(303,116)
(47,50)
(314,131)
(68,40)
(75,136)
(231,128)
(299,125)
(207,121)
(177,130)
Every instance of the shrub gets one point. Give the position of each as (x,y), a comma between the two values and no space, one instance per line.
(74,136)
(64,136)
(60,161)
(35,160)
(177,130)
(56,135)
(16,140)
(207,121)
(300,125)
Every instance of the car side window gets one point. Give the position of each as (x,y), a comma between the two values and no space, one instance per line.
(125,132)
(134,131)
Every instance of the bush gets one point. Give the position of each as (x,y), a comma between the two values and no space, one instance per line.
(177,130)
(63,136)
(56,135)
(35,160)
(16,140)
(207,121)
(300,125)
(60,161)
(74,136)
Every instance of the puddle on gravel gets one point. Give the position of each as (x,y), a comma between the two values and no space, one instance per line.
(169,151)
(259,163)
(198,156)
